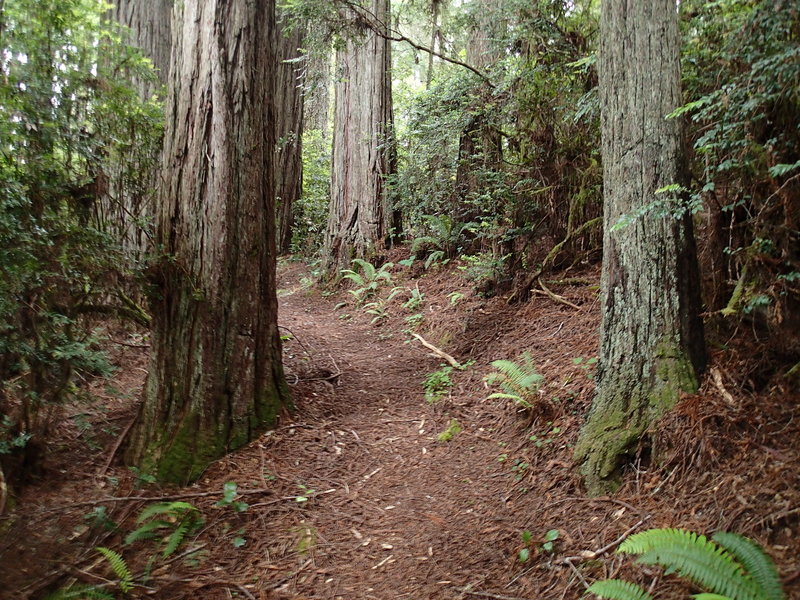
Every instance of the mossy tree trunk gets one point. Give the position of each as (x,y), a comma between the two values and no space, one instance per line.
(215,378)
(651,346)
(363,147)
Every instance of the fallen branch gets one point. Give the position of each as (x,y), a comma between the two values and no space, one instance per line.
(114,450)
(524,289)
(154,498)
(716,377)
(591,554)
(440,353)
(490,595)
(127,344)
(556,297)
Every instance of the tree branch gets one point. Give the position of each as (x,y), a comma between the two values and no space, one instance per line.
(383,30)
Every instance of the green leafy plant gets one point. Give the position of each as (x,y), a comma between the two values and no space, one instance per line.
(141,478)
(587,364)
(99,519)
(181,518)
(304,495)
(366,278)
(229,495)
(548,437)
(520,382)
(413,321)
(443,238)
(311,209)
(378,311)
(414,300)
(455,298)
(549,540)
(518,469)
(437,384)
(546,545)
(732,566)
(120,568)
(483,269)
(452,430)
(73,128)
(525,553)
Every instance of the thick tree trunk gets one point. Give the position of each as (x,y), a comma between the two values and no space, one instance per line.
(215,379)
(317,80)
(362,149)
(149,22)
(436,6)
(480,146)
(289,124)
(651,346)
(126,207)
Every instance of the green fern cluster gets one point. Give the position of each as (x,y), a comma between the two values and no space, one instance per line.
(81,592)
(519,382)
(732,566)
(120,568)
(368,280)
(183,518)
(96,592)
(443,239)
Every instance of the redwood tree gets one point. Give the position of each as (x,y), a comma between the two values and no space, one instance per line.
(289,123)
(127,207)
(215,378)
(363,146)
(651,346)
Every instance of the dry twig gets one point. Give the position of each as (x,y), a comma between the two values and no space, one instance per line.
(438,352)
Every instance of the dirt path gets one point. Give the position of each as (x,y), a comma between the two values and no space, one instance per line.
(355,495)
(398,513)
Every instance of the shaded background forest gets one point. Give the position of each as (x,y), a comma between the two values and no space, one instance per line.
(497,163)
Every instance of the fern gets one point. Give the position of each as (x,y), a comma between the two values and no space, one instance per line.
(731,566)
(755,561)
(148,531)
(176,538)
(81,592)
(163,508)
(434,257)
(120,568)
(423,242)
(696,557)
(368,280)
(182,516)
(617,589)
(354,277)
(518,382)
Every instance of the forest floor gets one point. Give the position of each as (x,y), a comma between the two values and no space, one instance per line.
(357,494)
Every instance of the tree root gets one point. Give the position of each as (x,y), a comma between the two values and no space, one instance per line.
(522,292)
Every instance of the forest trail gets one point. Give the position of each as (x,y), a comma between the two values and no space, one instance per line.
(398,514)
(355,495)
(395,512)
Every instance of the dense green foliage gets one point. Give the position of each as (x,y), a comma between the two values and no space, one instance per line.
(514,156)
(741,66)
(311,210)
(71,124)
(732,566)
